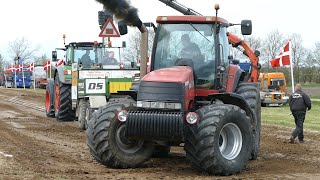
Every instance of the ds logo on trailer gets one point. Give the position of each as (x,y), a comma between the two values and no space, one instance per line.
(97,86)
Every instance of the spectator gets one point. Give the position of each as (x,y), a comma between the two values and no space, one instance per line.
(299,103)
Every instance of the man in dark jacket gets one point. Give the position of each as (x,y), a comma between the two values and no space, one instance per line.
(299,103)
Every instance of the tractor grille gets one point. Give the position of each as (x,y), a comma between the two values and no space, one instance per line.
(151,125)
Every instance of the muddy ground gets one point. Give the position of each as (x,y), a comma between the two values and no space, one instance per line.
(33,146)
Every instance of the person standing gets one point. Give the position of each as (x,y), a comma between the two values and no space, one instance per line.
(299,103)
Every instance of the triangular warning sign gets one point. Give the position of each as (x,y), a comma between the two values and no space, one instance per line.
(109,29)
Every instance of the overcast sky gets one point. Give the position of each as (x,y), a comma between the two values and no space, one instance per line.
(43,22)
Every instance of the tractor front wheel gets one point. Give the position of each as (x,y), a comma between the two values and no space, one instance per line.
(50,99)
(220,142)
(107,141)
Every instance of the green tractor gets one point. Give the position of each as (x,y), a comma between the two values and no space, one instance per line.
(91,76)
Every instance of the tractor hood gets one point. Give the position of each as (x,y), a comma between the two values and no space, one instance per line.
(177,74)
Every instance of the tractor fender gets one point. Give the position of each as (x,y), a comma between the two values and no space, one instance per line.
(60,72)
(235,99)
(235,75)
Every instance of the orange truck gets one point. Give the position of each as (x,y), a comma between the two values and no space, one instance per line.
(273,89)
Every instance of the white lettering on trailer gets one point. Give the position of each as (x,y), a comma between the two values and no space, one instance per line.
(95,86)
(107,74)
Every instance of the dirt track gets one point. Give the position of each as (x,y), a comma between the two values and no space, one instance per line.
(43,148)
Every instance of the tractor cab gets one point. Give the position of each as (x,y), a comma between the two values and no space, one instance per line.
(198,43)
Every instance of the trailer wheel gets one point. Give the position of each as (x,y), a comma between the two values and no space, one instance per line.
(50,99)
(63,106)
(107,142)
(250,92)
(220,142)
(85,113)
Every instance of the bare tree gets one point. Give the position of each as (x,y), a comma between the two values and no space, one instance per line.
(132,52)
(1,63)
(316,54)
(22,48)
(308,68)
(41,60)
(272,45)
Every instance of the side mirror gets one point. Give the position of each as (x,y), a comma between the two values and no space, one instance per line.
(124,44)
(246,27)
(54,56)
(123,27)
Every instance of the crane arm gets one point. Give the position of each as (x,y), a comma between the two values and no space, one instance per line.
(255,70)
(179,7)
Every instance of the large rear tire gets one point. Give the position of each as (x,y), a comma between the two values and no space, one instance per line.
(107,142)
(49,105)
(250,92)
(220,142)
(63,101)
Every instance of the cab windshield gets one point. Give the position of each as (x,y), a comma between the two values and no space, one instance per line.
(189,44)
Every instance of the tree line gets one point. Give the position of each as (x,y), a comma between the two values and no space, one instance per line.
(306,61)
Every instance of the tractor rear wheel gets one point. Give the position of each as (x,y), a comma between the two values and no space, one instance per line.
(50,99)
(85,113)
(220,142)
(250,92)
(107,142)
(63,101)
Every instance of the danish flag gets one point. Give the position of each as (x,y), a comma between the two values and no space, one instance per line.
(30,67)
(47,65)
(283,58)
(11,69)
(59,62)
(19,68)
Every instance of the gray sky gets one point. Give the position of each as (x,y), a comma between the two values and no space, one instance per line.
(44,22)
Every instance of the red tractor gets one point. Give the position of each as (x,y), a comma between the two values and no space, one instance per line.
(194,96)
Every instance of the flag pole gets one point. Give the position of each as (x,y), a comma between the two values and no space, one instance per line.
(291,66)
(34,78)
(49,67)
(24,85)
(15,77)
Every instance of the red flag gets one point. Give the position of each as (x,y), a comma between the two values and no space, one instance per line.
(47,65)
(283,58)
(19,68)
(30,67)
(59,62)
(12,69)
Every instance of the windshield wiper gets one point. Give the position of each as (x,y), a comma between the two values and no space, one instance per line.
(199,32)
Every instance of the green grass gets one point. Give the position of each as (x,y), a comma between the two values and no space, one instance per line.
(314,96)
(281,116)
(307,85)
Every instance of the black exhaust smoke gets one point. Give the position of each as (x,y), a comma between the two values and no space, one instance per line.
(123,10)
